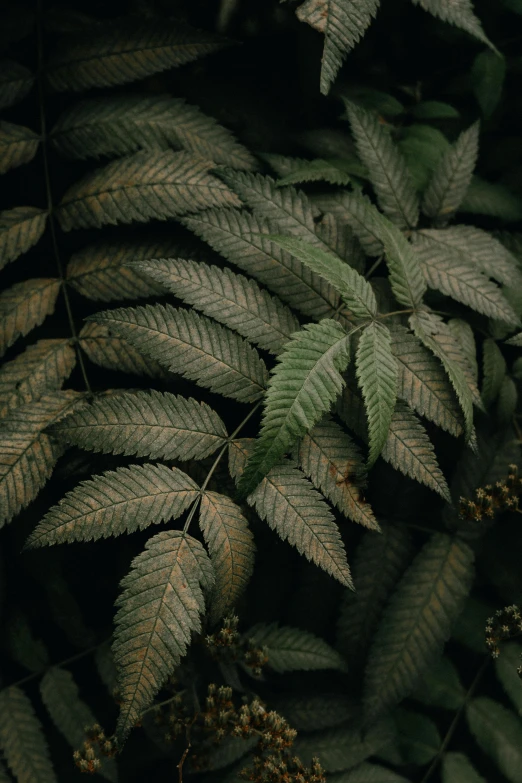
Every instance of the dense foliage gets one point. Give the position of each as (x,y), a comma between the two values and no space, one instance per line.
(261,309)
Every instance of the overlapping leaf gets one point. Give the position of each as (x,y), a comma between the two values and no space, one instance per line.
(20,229)
(356,212)
(345,747)
(493,371)
(290,505)
(292,649)
(114,353)
(159,608)
(452,176)
(303,386)
(310,711)
(457,768)
(194,346)
(15,83)
(151,184)
(494,199)
(463,334)
(121,125)
(22,740)
(24,306)
(116,502)
(231,299)
(146,424)
(499,733)
(417,621)
(318,170)
(231,547)
(459,13)
(18,145)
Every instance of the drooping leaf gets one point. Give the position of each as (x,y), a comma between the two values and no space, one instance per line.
(487,77)
(345,747)
(20,229)
(193,346)
(27,454)
(458,13)
(231,546)
(419,739)
(290,505)
(121,125)
(334,464)
(159,608)
(318,170)
(18,145)
(310,712)
(24,306)
(456,768)
(22,740)
(441,686)
(417,621)
(343,25)
(377,370)
(498,731)
(292,649)
(303,386)
(40,368)
(152,184)
(387,169)
(114,353)
(494,199)
(422,382)
(385,555)
(355,291)
(493,371)
(124,50)
(116,502)
(451,178)
(231,299)
(70,714)
(243,240)
(15,83)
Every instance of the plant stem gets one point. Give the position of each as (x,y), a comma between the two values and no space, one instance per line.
(65,662)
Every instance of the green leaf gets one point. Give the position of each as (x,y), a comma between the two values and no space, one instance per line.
(159,609)
(304,384)
(333,171)
(422,147)
(434,110)
(387,169)
(376,370)
(463,334)
(231,547)
(146,424)
(487,77)
(342,24)
(24,306)
(310,712)
(152,184)
(193,346)
(516,340)
(22,740)
(334,464)
(499,733)
(493,369)
(291,649)
(451,178)
(40,368)
(507,400)
(380,103)
(20,229)
(114,353)
(290,505)
(358,213)
(243,239)
(344,747)
(23,647)
(355,291)
(231,299)
(460,14)
(15,83)
(417,621)
(506,665)
(456,768)
(419,739)
(441,686)
(124,50)
(494,199)
(18,145)
(368,773)
(116,502)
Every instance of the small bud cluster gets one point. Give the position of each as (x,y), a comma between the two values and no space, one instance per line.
(227,644)
(270,769)
(175,718)
(501,496)
(506,624)
(96,744)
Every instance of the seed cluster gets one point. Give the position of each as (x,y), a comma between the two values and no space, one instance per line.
(228,644)
(96,744)
(505,625)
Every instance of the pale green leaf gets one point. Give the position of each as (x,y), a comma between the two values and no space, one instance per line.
(318,170)
(441,686)
(419,739)
(417,621)
(20,229)
(291,649)
(344,747)
(498,731)
(463,334)
(493,371)
(159,609)
(494,199)
(456,768)
(303,386)
(355,211)
(24,306)
(15,83)
(341,240)
(506,665)
(22,740)
(452,176)
(516,340)
(458,13)
(18,145)
(114,353)
(487,77)
(193,346)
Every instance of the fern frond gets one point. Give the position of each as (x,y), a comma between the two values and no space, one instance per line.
(387,169)
(114,353)
(342,24)
(459,13)
(376,369)
(193,346)
(116,502)
(494,199)
(334,464)
(498,732)
(345,747)
(290,505)
(355,291)
(303,386)
(417,621)
(422,382)
(20,229)
(124,50)
(42,367)
(18,145)
(318,170)
(231,299)
(145,424)
(243,240)
(231,547)
(22,740)
(159,608)
(292,649)
(118,126)
(27,454)
(24,306)
(456,768)
(379,562)
(494,369)
(452,176)
(15,83)
(70,714)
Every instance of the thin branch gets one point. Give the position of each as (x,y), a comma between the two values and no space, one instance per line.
(65,662)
